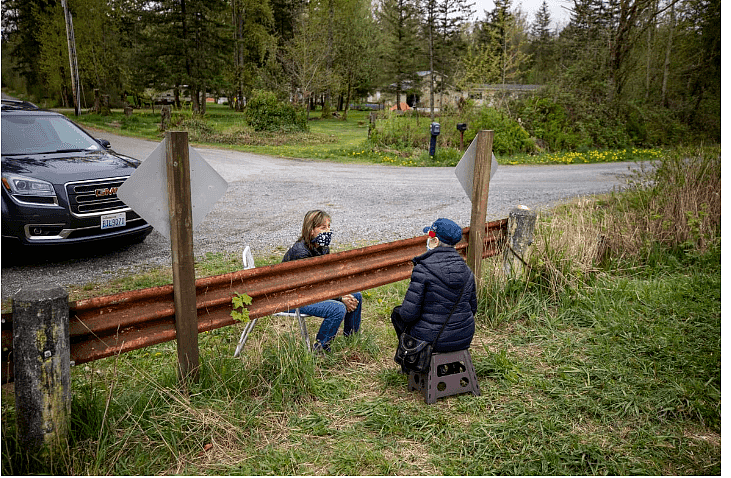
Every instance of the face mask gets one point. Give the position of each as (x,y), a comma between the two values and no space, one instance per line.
(429,246)
(323,239)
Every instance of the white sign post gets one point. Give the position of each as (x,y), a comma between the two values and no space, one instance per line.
(465,169)
(474,172)
(173,190)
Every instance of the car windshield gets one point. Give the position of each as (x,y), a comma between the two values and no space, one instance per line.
(35,134)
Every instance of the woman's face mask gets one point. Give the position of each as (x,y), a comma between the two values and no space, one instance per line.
(321,234)
(323,239)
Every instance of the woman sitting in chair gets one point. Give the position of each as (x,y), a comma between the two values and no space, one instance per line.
(440,277)
(315,241)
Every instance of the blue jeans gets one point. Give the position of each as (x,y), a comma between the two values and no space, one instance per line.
(333,313)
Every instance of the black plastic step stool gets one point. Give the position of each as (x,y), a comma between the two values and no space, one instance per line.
(450,373)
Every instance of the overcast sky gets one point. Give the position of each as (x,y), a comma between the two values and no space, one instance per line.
(558,9)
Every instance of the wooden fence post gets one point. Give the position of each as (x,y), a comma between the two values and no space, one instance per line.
(181,243)
(480,191)
(41,352)
(164,116)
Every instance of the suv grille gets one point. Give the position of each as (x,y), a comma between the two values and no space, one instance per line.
(95,197)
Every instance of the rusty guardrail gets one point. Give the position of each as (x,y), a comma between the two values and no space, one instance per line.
(109,325)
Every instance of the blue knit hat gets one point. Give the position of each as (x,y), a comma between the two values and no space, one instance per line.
(446,230)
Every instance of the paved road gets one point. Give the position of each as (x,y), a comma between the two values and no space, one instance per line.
(267,198)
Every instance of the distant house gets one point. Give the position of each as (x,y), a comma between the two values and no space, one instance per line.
(485,94)
(418,96)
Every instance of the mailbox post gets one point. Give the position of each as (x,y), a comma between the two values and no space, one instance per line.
(433,143)
(461,127)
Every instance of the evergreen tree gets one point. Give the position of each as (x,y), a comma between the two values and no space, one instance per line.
(285,15)
(452,15)
(354,48)
(442,20)
(492,31)
(254,45)
(20,21)
(541,27)
(542,65)
(187,43)
(401,51)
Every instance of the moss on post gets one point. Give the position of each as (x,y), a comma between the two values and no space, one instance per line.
(41,351)
(521,223)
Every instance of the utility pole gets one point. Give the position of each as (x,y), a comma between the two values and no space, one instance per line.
(75,85)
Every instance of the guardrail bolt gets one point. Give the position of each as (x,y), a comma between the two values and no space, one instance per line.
(41,349)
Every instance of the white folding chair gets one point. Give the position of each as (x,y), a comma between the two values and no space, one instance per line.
(248,260)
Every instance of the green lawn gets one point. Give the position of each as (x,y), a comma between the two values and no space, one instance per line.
(331,139)
(621,379)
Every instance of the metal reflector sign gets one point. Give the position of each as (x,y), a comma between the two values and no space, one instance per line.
(465,169)
(146,190)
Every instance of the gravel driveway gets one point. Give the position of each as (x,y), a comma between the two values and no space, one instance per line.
(267,198)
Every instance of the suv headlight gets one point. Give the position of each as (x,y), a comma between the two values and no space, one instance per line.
(29,190)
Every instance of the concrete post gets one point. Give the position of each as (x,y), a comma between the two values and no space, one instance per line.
(41,351)
(521,222)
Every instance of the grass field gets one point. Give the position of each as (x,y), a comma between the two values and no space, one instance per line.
(620,377)
(332,139)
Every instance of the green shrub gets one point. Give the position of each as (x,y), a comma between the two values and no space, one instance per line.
(265,113)
(400,131)
(510,136)
(549,122)
(648,126)
(567,121)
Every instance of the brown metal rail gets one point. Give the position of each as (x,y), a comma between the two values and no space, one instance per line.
(104,326)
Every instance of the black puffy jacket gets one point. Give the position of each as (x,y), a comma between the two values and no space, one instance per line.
(300,251)
(436,281)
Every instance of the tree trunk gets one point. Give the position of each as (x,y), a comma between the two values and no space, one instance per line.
(668,51)
(431,68)
(330,45)
(204,97)
(239,57)
(194,98)
(347,99)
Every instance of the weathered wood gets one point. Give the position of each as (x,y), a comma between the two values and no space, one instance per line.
(41,349)
(181,243)
(165,115)
(521,223)
(73,62)
(480,191)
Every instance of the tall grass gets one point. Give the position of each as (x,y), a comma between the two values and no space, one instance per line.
(678,205)
(602,358)
(671,211)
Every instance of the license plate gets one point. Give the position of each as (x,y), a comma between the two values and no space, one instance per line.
(110,221)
